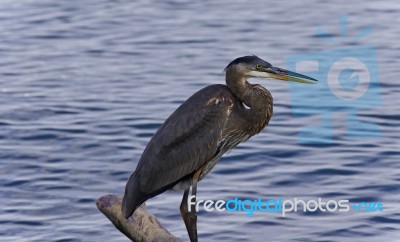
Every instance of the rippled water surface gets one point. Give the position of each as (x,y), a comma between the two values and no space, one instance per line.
(85,84)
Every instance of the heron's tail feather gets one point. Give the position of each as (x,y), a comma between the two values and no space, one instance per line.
(132,198)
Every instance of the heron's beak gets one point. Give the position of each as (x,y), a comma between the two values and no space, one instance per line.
(282,74)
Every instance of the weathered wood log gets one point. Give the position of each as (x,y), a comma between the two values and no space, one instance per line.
(141,226)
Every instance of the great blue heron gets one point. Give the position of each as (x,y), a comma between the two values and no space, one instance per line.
(211,122)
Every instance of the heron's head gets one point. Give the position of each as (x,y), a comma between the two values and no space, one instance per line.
(252,66)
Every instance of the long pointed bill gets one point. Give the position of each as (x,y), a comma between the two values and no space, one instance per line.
(282,74)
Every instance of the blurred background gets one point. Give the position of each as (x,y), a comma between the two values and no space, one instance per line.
(85,84)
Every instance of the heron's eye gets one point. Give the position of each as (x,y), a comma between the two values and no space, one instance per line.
(258,67)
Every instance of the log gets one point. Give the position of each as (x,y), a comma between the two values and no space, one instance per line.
(141,226)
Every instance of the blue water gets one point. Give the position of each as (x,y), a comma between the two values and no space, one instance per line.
(85,84)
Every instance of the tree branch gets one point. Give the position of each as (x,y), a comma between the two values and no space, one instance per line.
(141,226)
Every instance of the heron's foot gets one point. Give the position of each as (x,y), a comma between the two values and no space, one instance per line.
(190,219)
(193,224)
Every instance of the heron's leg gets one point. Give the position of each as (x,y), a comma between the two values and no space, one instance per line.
(193,213)
(190,218)
(184,210)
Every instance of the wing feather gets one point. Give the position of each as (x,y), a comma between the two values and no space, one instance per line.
(188,139)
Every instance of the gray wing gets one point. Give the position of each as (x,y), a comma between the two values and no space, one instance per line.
(188,139)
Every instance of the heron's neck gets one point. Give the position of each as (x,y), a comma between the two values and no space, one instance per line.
(255,96)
